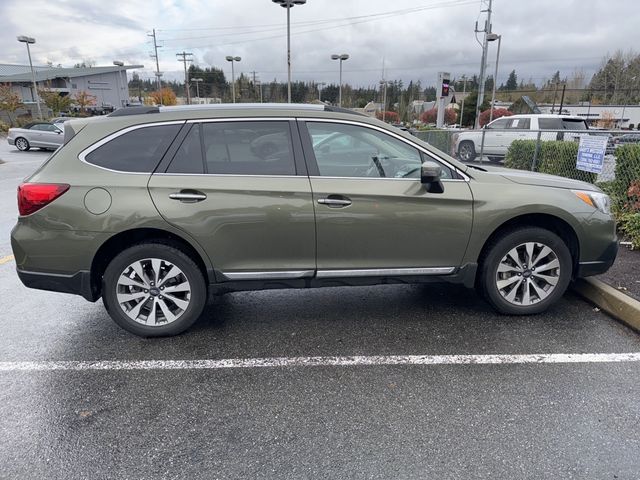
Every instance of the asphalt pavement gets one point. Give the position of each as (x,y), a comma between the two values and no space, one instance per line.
(446,421)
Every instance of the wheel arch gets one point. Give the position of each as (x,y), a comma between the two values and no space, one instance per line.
(554,224)
(128,238)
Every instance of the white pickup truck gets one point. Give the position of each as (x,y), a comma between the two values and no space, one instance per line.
(501,132)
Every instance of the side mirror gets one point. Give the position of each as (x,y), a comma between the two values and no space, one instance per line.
(430,175)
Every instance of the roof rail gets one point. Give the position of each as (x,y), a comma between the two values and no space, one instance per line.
(121,112)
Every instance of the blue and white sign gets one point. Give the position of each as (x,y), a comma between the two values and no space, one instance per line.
(591,153)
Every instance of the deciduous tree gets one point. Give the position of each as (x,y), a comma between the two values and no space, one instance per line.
(9,101)
(83,100)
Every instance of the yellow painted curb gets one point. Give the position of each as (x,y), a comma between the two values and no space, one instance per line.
(611,300)
(6,259)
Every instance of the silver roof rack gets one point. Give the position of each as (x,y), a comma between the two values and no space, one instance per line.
(243,106)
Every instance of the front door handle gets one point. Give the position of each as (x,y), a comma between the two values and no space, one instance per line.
(188,196)
(335,201)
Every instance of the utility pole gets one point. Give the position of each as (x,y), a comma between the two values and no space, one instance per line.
(155,56)
(256,85)
(464,94)
(483,65)
(185,58)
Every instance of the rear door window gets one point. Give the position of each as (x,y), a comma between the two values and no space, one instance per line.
(248,148)
(574,124)
(138,150)
(550,123)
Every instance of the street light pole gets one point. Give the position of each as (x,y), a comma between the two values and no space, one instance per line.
(320,85)
(492,37)
(231,59)
(342,58)
(289,4)
(384,98)
(197,82)
(36,97)
(464,94)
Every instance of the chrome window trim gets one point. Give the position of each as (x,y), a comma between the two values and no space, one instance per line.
(82,156)
(269,275)
(395,135)
(382,272)
(317,177)
(226,175)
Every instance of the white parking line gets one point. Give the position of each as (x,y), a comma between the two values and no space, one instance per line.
(319,362)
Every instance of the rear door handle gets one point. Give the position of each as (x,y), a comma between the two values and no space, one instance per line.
(335,201)
(188,196)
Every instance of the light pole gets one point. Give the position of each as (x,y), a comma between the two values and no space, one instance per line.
(491,37)
(35,96)
(289,4)
(464,94)
(231,59)
(384,83)
(197,82)
(320,85)
(118,63)
(342,58)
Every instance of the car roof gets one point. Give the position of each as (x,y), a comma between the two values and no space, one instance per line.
(545,115)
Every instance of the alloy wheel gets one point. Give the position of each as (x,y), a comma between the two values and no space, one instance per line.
(528,274)
(153,292)
(22,144)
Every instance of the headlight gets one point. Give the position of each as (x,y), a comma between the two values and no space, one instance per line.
(597,200)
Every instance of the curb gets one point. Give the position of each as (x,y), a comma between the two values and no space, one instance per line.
(612,301)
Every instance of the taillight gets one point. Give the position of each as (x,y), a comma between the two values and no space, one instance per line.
(33,196)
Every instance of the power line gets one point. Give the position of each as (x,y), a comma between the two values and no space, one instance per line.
(186,57)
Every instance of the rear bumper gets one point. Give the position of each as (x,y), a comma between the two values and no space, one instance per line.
(78,283)
(601,265)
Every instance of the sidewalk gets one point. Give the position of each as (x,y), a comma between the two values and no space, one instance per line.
(624,275)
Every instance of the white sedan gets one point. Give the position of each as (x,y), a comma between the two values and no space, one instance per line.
(37,135)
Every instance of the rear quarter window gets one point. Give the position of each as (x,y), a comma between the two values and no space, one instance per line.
(138,150)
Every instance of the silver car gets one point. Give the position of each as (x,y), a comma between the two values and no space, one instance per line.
(37,135)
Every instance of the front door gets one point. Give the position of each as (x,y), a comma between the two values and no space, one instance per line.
(373,213)
(235,187)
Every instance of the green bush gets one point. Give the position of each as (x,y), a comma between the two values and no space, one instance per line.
(559,158)
(627,171)
(629,225)
(520,154)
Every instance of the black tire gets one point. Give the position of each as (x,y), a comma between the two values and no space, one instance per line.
(466,151)
(497,252)
(197,298)
(22,144)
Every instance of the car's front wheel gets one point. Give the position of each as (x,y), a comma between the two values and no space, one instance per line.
(466,151)
(525,271)
(22,144)
(154,289)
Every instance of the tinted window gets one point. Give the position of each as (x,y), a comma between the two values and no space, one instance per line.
(573,124)
(500,123)
(519,123)
(248,148)
(353,151)
(188,158)
(550,123)
(139,150)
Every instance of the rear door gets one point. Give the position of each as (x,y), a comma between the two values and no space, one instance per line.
(241,189)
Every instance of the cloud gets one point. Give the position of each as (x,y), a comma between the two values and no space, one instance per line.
(538,37)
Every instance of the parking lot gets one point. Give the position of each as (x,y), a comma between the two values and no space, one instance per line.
(302,384)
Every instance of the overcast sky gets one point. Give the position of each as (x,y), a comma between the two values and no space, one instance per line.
(416,38)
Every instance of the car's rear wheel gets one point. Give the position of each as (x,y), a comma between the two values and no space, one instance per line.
(466,151)
(525,271)
(22,144)
(153,289)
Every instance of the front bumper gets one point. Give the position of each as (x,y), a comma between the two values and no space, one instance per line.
(11,141)
(600,265)
(79,283)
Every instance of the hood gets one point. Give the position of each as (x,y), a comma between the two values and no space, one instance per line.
(539,179)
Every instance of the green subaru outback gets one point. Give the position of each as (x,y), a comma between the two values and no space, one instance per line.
(156,209)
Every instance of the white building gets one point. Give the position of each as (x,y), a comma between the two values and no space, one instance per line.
(108,84)
(623,116)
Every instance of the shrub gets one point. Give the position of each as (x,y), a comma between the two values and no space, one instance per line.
(390,117)
(559,158)
(497,113)
(629,224)
(430,116)
(627,172)
(4,127)
(520,154)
